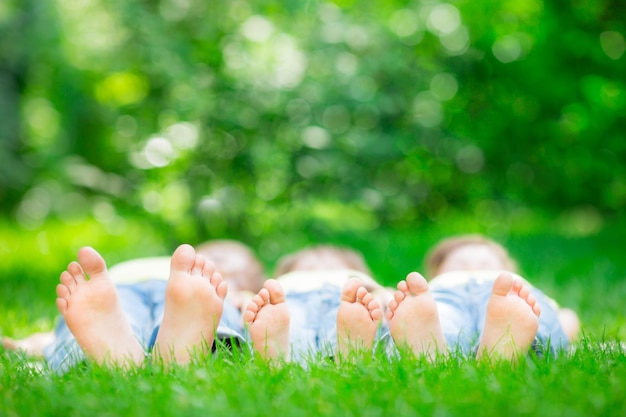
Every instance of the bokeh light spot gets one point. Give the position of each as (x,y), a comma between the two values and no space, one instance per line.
(122,89)
(257,29)
(427,110)
(613,44)
(470,159)
(457,42)
(507,49)
(404,23)
(444,18)
(444,86)
(316,137)
(43,122)
(158,152)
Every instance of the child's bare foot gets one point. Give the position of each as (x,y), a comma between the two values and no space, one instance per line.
(512,319)
(358,318)
(414,319)
(194,301)
(33,344)
(93,313)
(267,319)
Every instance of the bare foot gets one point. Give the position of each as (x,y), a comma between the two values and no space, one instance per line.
(92,311)
(267,319)
(512,319)
(414,319)
(33,344)
(194,301)
(358,318)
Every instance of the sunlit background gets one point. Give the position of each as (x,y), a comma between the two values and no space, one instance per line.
(262,119)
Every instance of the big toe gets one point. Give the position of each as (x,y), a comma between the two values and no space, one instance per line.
(349,290)
(416,283)
(91,262)
(503,284)
(183,258)
(276,291)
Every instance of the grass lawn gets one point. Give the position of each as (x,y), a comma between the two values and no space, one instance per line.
(585,273)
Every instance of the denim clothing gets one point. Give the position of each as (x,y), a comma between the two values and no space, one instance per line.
(143,303)
(313,323)
(462,297)
(313,299)
(462,301)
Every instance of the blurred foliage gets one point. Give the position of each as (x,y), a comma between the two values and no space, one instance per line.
(249,118)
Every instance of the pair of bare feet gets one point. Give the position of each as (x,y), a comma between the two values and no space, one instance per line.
(92,310)
(267,319)
(511,320)
(194,302)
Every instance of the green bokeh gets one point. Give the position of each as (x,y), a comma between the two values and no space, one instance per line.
(249,118)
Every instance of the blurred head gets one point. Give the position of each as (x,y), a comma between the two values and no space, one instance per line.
(237,263)
(468,253)
(321,257)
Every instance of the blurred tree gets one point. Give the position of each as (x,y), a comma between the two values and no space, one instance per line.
(248,117)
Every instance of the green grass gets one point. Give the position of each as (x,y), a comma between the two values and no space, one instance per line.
(585,273)
(587,383)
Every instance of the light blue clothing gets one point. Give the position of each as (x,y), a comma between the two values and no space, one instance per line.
(313,299)
(313,322)
(462,298)
(462,308)
(143,303)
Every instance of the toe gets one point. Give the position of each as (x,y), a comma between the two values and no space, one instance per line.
(92,263)
(222,290)
(209,268)
(249,315)
(376,314)
(503,284)
(76,272)
(363,296)
(416,283)
(275,291)
(350,290)
(63,291)
(183,258)
(373,305)
(62,305)
(68,280)
(537,310)
(215,278)
(399,296)
(524,292)
(198,265)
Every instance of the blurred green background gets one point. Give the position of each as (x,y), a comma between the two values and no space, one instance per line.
(135,125)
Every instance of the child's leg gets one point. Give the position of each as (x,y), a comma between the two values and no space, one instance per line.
(267,319)
(194,299)
(358,318)
(570,323)
(511,320)
(557,327)
(92,311)
(33,344)
(414,320)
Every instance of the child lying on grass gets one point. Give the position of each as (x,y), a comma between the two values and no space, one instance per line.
(141,287)
(476,304)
